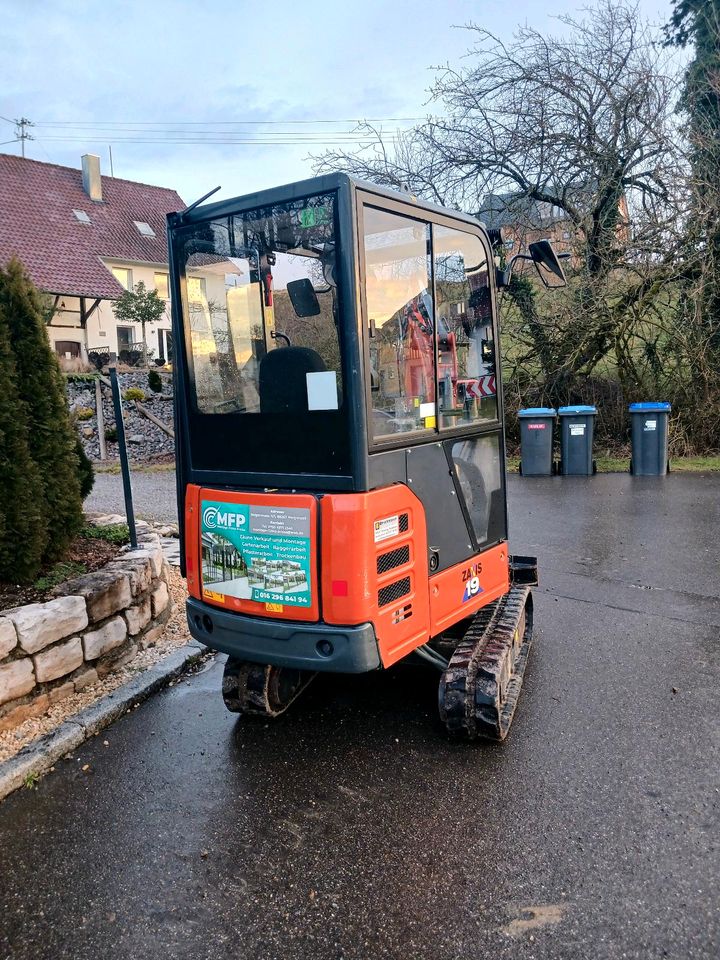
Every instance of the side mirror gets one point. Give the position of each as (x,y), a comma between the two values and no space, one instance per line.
(303,298)
(547,263)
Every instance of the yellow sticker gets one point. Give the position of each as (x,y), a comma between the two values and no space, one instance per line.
(416,401)
(429,422)
(274,607)
(213,596)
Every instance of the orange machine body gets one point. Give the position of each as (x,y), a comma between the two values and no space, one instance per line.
(368,563)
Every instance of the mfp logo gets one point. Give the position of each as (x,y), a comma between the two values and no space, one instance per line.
(215,518)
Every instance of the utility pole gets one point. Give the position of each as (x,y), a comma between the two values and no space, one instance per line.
(22,135)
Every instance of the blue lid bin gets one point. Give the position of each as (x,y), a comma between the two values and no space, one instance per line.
(649,439)
(536,441)
(577,425)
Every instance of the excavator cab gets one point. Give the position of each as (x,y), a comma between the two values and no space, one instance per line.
(340,449)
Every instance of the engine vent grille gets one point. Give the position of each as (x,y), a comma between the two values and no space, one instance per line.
(404,523)
(395,558)
(393,591)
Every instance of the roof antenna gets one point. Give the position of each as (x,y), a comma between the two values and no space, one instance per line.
(197,203)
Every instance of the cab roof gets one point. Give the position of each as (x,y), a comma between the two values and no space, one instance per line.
(310,187)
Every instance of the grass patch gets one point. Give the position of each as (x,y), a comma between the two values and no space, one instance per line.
(696,464)
(622,464)
(117,533)
(31,780)
(65,570)
(114,468)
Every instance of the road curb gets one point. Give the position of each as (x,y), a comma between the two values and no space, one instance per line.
(37,757)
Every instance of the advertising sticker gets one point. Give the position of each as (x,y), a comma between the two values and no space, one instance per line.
(259,553)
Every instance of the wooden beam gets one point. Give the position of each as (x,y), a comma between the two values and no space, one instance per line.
(93,308)
(165,427)
(100,420)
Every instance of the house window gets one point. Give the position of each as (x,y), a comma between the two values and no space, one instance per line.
(162,286)
(67,348)
(196,290)
(123,276)
(125,338)
(144,228)
(81,216)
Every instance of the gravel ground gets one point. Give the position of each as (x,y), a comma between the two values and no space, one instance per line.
(153,495)
(176,635)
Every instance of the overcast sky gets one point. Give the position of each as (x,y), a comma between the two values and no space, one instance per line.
(142,65)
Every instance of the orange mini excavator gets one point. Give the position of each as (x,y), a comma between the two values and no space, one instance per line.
(340,450)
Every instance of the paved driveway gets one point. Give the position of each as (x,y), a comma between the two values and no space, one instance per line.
(153,495)
(351,828)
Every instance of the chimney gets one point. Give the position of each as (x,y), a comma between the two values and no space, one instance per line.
(92,184)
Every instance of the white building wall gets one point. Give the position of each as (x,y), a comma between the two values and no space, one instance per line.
(101,331)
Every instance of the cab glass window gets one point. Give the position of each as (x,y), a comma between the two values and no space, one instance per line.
(478,466)
(466,350)
(262,312)
(401,318)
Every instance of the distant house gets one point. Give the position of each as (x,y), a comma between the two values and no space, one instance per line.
(84,238)
(523,221)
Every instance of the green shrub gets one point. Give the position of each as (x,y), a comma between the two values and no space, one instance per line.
(23,524)
(84,413)
(155,381)
(113,533)
(85,470)
(134,393)
(51,438)
(111,434)
(58,573)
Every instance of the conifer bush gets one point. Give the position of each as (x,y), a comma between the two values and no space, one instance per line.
(23,528)
(86,473)
(51,438)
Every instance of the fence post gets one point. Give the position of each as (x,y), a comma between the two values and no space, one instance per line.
(100,419)
(124,465)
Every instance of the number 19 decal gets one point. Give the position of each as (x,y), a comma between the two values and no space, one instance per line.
(472,589)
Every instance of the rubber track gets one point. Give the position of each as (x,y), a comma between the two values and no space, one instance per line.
(479,689)
(246,688)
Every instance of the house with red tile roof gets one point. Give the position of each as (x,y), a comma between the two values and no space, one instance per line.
(84,238)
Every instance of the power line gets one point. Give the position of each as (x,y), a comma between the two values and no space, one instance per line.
(205,123)
(226,142)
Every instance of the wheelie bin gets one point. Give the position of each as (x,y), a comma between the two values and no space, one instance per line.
(536,441)
(576,440)
(649,439)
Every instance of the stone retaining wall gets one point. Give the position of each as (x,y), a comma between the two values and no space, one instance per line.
(51,650)
(146,441)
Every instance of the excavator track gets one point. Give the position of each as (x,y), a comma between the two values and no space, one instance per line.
(261,690)
(479,689)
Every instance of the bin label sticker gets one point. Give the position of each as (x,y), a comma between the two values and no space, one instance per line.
(384,529)
(577,429)
(536,426)
(254,552)
(650,425)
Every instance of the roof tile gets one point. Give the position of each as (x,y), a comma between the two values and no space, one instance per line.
(63,255)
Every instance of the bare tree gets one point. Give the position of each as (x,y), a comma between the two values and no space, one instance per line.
(583,123)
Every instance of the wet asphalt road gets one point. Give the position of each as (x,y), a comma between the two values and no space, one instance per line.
(352,828)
